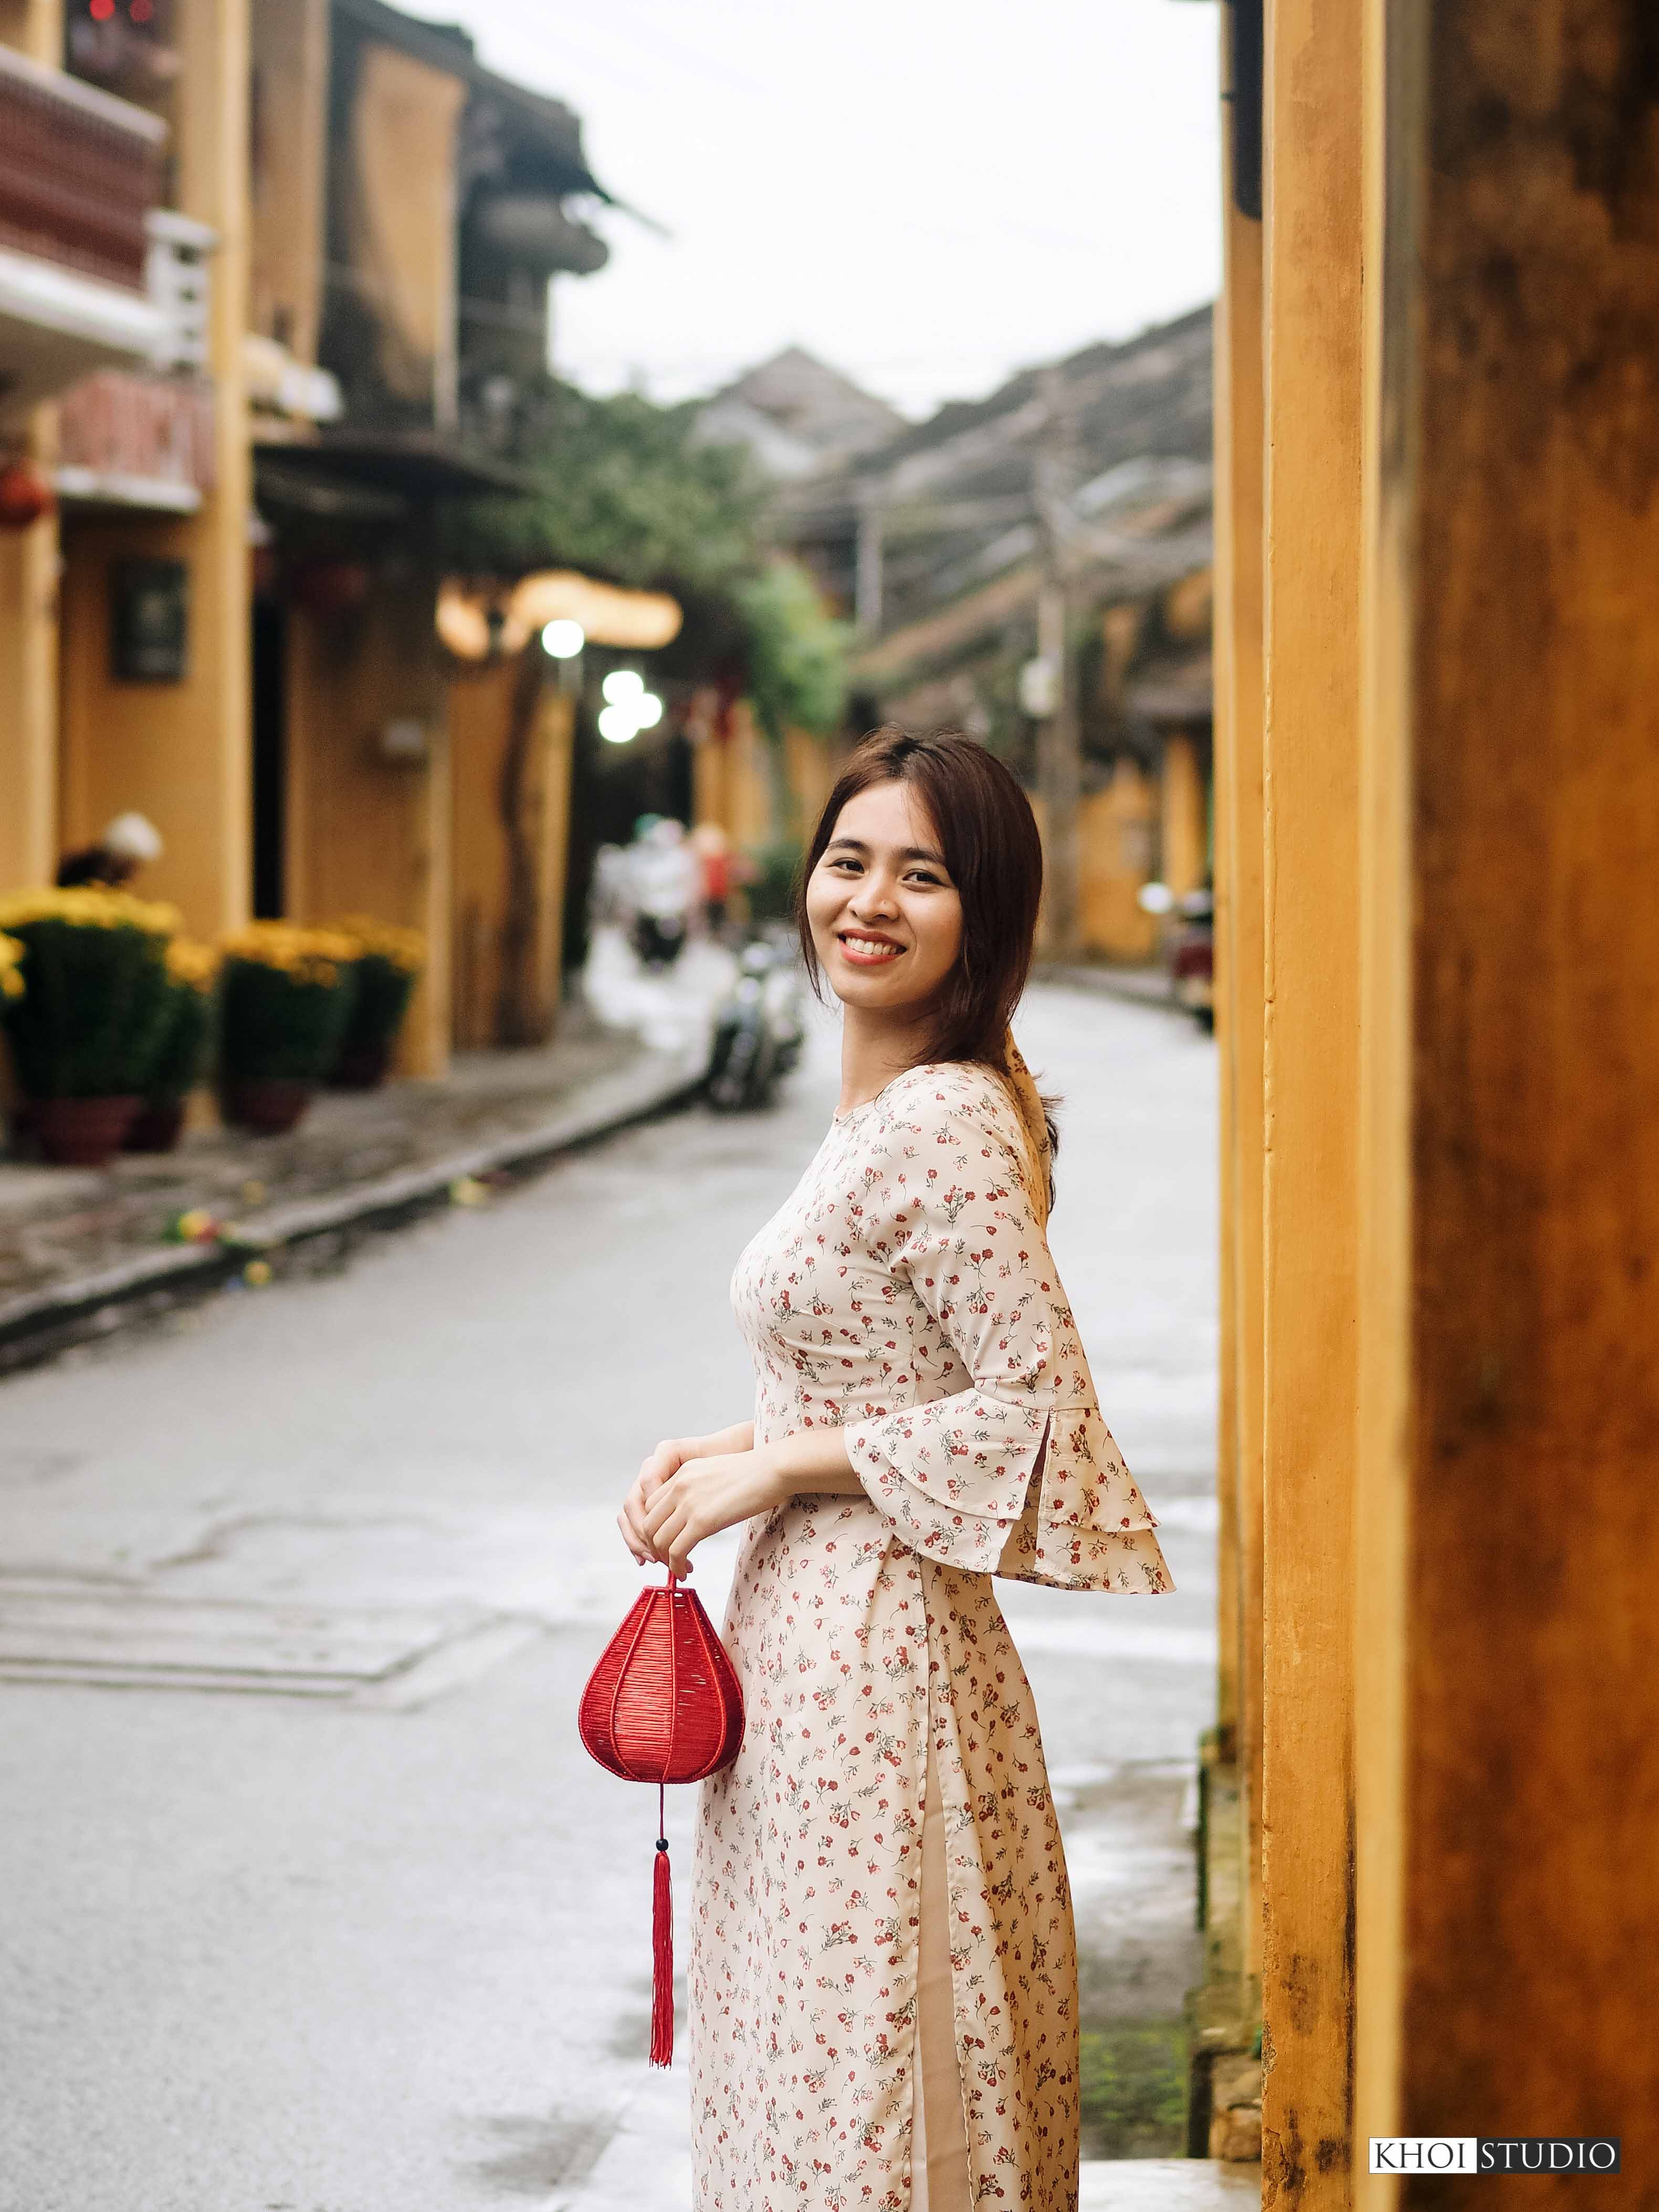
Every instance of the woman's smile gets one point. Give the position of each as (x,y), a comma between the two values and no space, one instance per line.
(866,949)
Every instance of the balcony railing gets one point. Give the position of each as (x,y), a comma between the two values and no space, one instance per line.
(79,171)
(135,441)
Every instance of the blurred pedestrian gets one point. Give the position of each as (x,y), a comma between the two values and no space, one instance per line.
(925,1418)
(130,842)
(715,858)
(664,881)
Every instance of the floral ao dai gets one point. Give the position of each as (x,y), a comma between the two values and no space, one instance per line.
(905,1294)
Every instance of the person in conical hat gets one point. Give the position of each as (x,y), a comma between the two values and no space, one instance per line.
(883,1998)
(124,846)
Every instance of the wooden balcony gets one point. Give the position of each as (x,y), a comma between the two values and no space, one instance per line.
(79,171)
(127,439)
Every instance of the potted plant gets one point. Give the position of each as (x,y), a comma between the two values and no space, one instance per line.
(181,1053)
(388,963)
(86,1026)
(284,999)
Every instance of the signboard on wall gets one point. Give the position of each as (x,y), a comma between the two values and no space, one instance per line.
(149,621)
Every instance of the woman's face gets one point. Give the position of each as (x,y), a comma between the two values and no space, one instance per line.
(885,917)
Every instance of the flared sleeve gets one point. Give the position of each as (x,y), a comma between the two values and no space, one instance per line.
(1008,1467)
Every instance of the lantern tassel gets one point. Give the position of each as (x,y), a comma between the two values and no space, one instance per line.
(662,1959)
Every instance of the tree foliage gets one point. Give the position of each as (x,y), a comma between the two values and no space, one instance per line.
(796,653)
(624,489)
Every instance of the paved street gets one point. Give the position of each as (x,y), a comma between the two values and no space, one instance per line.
(312,1901)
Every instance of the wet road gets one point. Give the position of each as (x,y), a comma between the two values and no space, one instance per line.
(311,1901)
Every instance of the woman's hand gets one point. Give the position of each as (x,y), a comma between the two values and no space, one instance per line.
(659,1466)
(703,1496)
(694,1486)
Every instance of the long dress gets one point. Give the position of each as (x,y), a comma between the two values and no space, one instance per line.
(904,1293)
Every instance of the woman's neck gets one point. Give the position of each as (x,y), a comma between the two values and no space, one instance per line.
(874,1048)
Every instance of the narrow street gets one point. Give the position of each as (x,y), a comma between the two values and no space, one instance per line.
(313,1902)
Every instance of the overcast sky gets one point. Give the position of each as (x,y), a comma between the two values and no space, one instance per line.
(928,193)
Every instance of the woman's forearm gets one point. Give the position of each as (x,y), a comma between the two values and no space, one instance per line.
(740,1438)
(813,1459)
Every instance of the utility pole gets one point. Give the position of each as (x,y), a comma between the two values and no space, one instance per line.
(1058,762)
(866,590)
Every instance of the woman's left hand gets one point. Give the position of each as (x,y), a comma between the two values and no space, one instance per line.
(708,1495)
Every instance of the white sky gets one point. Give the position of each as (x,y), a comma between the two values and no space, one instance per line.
(928,193)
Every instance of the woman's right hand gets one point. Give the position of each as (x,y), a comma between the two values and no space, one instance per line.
(669,1457)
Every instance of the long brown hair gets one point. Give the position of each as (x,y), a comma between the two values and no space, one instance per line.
(994,855)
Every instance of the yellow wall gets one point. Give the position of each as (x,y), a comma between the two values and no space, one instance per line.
(402,219)
(809,771)
(178,752)
(480,713)
(1183,817)
(291,63)
(365,834)
(29,683)
(1115,829)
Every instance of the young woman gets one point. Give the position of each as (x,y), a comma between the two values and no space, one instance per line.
(883,1980)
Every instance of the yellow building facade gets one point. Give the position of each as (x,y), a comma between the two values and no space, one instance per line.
(1437,772)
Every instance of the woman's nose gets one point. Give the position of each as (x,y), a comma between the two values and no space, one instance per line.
(873,896)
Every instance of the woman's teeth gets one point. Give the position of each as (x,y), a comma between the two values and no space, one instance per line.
(870,948)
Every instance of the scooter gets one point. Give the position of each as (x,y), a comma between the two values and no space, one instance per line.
(759,1033)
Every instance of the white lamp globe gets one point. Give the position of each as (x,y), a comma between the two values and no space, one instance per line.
(647,710)
(616,724)
(563,639)
(622,686)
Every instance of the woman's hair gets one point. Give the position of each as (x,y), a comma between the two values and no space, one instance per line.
(994,855)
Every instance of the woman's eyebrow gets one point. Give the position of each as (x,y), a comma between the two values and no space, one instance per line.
(908,852)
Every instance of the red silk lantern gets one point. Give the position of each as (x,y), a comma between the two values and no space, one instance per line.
(25,495)
(664,1704)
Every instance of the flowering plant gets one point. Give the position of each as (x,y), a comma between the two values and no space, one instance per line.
(187,1027)
(285,997)
(388,961)
(88,1021)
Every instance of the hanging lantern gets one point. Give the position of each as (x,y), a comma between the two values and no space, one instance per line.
(25,495)
(329,588)
(664,1704)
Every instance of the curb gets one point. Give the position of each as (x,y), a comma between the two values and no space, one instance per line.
(38,1325)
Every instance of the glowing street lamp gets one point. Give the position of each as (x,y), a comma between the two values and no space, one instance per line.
(563,639)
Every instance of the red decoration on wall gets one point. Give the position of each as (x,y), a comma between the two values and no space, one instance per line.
(664,1704)
(330,587)
(25,496)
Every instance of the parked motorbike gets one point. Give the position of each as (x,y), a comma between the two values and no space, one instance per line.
(759,1032)
(1188,947)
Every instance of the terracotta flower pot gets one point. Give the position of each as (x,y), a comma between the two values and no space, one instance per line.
(361,1068)
(81,1132)
(156,1127)
(268,1104)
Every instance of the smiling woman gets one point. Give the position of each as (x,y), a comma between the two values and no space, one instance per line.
(884,1977)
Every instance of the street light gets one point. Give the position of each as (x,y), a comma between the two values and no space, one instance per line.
(631,707)
(563,639)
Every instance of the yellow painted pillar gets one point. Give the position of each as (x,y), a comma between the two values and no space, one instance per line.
(180,751)
(1508,1919)
(29,683)
(1239,1025)
(1184,828)
(1314,402)
(29,592)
